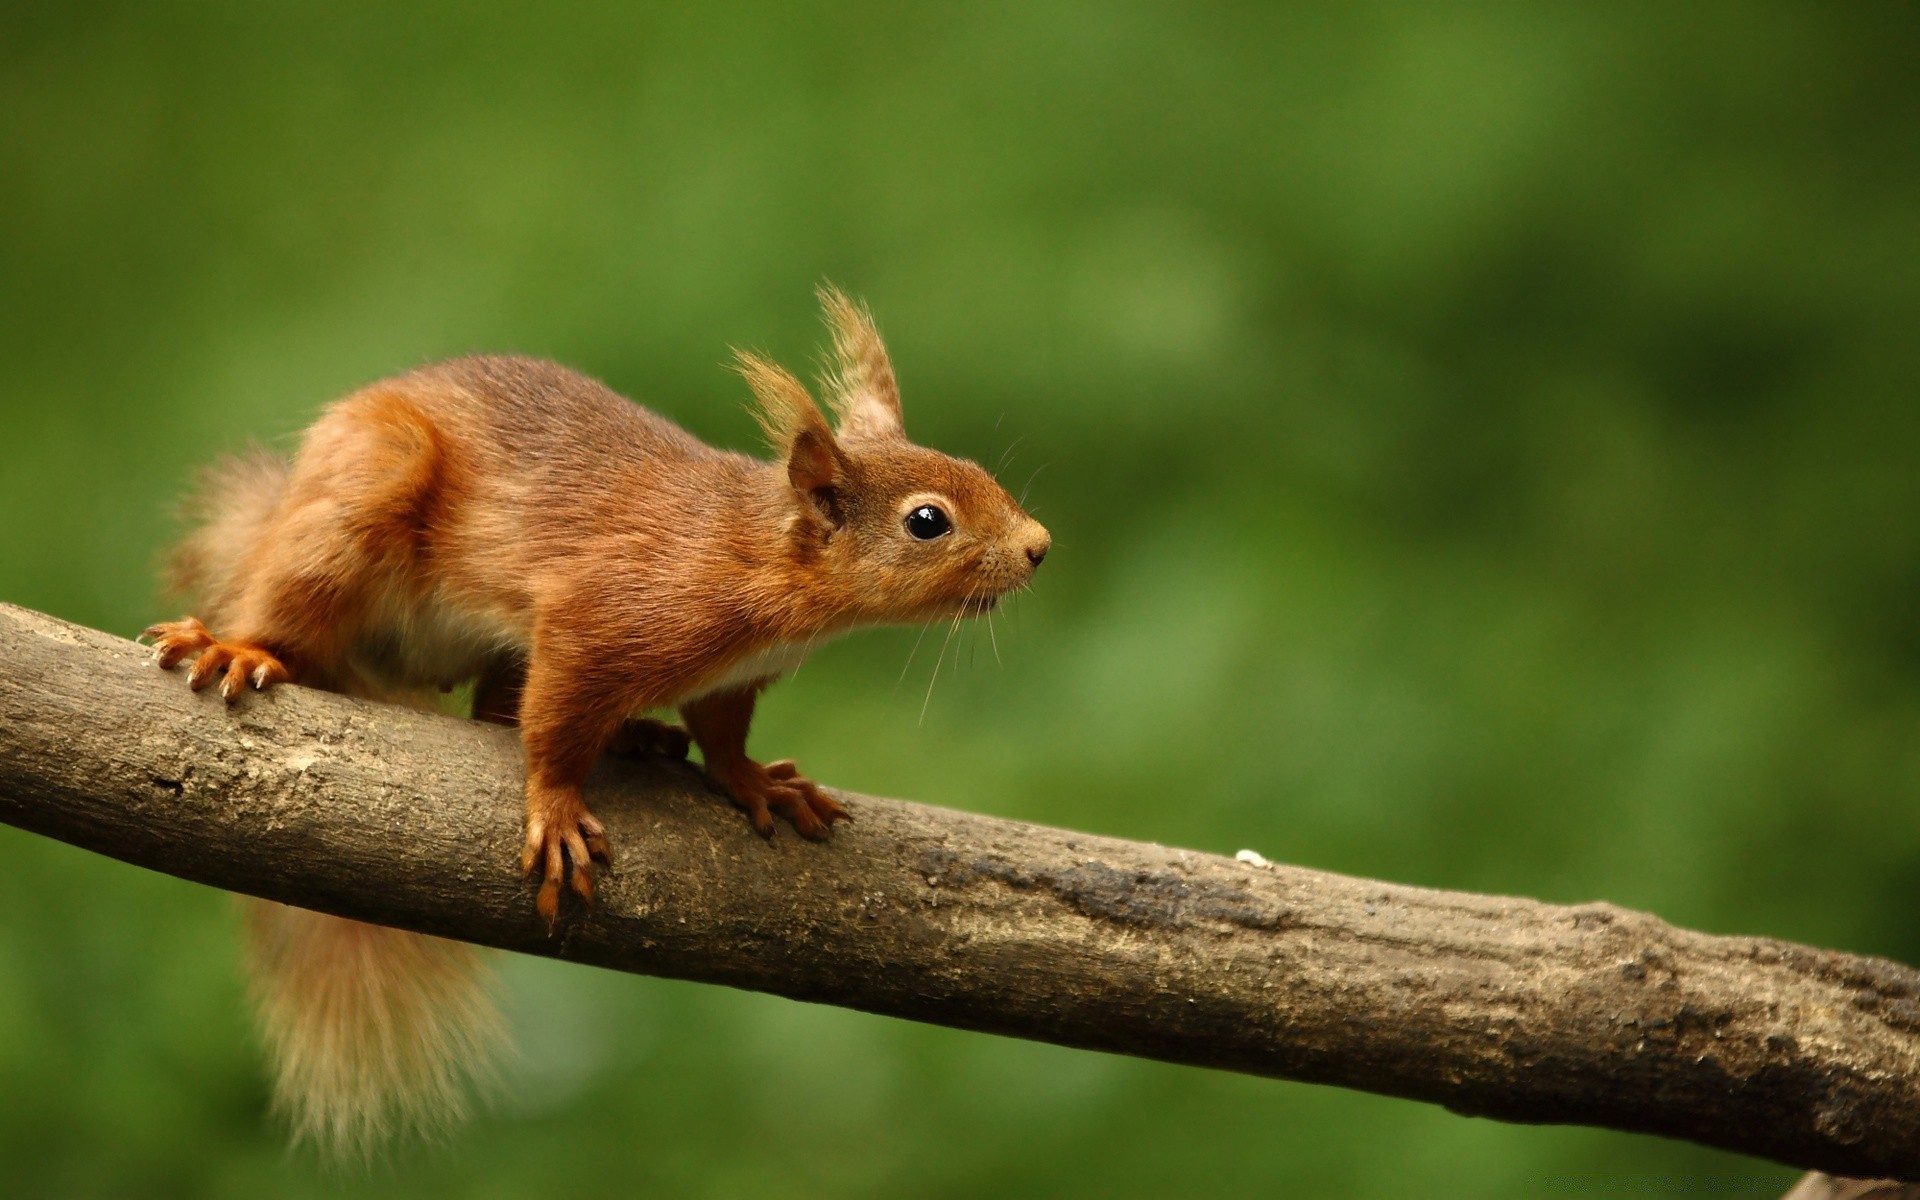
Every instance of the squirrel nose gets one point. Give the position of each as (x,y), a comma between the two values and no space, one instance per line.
(1038,546)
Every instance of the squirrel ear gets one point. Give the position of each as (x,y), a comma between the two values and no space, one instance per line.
(817,473)
(796,429)
(813,464)
(860,385)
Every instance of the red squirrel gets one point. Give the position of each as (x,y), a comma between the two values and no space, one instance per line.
(582,561)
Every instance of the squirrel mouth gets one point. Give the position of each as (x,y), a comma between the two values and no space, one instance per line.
(973,606)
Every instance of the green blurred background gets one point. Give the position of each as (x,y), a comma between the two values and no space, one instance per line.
(1480,445)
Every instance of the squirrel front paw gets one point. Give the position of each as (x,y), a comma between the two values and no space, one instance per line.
(241,663)
(779,785)
(560,831)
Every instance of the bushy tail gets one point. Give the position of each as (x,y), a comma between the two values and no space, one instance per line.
(372,1032)
(228,515)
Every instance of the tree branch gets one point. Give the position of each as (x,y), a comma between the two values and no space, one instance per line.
(1817,1186)
(1494,1007)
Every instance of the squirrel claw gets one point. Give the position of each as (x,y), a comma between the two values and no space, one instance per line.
(175,640)
(239,664)
(560,835)
(757,814)
(779,785)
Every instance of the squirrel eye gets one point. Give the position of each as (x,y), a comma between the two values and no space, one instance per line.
(927,523)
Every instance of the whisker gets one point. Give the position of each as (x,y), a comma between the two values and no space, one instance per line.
(910,654)
(806,648)
(969,634)
(960,620)
(931,680)
(1007,454)
(943,653)
(1030,479)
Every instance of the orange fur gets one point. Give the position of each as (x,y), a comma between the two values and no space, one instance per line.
(375,1031)
(508,521)
(861,384)
(372,1031)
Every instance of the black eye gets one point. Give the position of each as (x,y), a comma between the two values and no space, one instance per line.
(927,523)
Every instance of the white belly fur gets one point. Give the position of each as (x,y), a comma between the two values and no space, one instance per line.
(776,659)
(433,642)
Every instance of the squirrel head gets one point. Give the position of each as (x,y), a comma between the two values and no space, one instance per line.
(887,530)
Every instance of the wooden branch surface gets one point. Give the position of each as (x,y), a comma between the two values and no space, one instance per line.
(1818,1186)
(1492,1006)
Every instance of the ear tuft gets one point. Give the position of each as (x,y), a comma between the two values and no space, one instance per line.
(796,430)
(860,385)
(786,408)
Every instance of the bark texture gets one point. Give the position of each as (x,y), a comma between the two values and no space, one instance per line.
(1816,1186)
(1492,1006)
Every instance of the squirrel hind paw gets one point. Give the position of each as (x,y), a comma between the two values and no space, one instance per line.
(238,665)
(175,640)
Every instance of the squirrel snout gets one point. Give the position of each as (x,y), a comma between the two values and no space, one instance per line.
(1038,542)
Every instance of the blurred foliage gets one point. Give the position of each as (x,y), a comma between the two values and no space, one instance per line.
(1480,443)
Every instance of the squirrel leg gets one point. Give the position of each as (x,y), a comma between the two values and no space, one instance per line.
(496,694)
(296,578)
(496,698)
(561,739)
(641,736)
(718,722)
